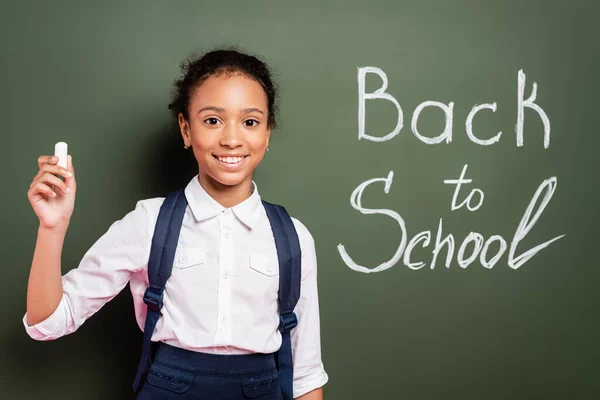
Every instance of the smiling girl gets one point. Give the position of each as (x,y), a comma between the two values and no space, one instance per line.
(222,331)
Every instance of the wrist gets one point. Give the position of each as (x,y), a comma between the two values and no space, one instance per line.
(59,229)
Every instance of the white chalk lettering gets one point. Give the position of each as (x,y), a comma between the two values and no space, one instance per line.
(355,201)
(527,223)
(378,94)
(529,103)
(447,134)
(467,201)
(439,244)
(469,125)
(482,259)
(480,250)
(421,236)
(475,237)
(489,252)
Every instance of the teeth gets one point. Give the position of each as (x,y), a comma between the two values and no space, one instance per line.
(231,160)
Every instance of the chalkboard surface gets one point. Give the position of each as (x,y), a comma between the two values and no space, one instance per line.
(455,261)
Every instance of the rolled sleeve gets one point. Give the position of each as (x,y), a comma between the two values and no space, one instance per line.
(51,326)
(309,372)
(102,273)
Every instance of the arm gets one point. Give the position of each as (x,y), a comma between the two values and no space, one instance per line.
(102,273)
(316,394)
(309,373)
(52,200)
(44,290)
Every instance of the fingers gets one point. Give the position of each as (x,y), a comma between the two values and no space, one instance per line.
(41,188)
(56,169)
(50,164)
(47,160)
(49,179)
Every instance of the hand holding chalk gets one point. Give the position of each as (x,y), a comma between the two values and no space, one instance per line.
(53,199)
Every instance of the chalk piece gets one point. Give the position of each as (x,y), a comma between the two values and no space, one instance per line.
(61,151)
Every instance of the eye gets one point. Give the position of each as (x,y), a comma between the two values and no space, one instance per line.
(212,121)
(251,122)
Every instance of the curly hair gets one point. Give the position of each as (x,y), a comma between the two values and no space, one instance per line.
(214,63)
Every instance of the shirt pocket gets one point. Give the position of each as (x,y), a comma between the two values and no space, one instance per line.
(189,257)
(263,264)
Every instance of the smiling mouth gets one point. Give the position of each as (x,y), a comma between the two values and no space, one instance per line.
(230,160)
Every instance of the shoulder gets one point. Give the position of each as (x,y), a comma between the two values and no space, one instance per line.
(150,206)
(304,236)
(307,248)
(147,208)
(143,215)
(137,225)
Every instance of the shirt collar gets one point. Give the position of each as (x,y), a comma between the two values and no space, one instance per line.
(204,207)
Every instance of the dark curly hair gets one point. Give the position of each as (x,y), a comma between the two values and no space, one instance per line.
(214,63)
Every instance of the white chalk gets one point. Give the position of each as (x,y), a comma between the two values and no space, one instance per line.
(61,151)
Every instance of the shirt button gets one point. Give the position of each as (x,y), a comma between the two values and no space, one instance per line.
(224,318)
(269,269)
(226,274)
(222,349)
(226,235)
(227,212)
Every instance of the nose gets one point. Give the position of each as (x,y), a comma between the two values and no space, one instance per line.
(231,136)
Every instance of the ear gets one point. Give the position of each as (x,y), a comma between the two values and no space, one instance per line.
(268,133)
(184,128)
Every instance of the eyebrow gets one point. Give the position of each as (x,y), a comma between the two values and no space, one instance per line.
(249,110)
(212,108)
(222,110)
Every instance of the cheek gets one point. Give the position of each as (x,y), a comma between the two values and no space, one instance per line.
(259,149)
(260,142)
(257,157)
(203,139)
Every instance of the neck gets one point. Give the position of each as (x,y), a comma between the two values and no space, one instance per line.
(227,196)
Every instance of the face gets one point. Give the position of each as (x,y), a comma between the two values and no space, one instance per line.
(227,129)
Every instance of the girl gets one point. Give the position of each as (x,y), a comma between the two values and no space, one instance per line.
(218,331)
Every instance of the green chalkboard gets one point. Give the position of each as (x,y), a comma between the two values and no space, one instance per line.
(98,75)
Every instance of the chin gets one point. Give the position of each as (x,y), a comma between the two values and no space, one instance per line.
(229,180)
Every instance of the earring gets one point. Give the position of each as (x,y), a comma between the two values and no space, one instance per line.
(267,149)
(186,147)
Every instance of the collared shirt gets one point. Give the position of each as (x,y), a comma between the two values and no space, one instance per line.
(222,294)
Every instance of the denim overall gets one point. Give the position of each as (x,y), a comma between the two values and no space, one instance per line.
(167,372)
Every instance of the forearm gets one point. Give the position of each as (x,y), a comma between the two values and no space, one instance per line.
(44,290)
(316,394)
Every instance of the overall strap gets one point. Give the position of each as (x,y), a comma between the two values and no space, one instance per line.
(290,257)
(160,264)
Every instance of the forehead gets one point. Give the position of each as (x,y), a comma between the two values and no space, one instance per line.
(229,91)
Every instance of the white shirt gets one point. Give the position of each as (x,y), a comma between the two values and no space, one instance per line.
(222,294)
